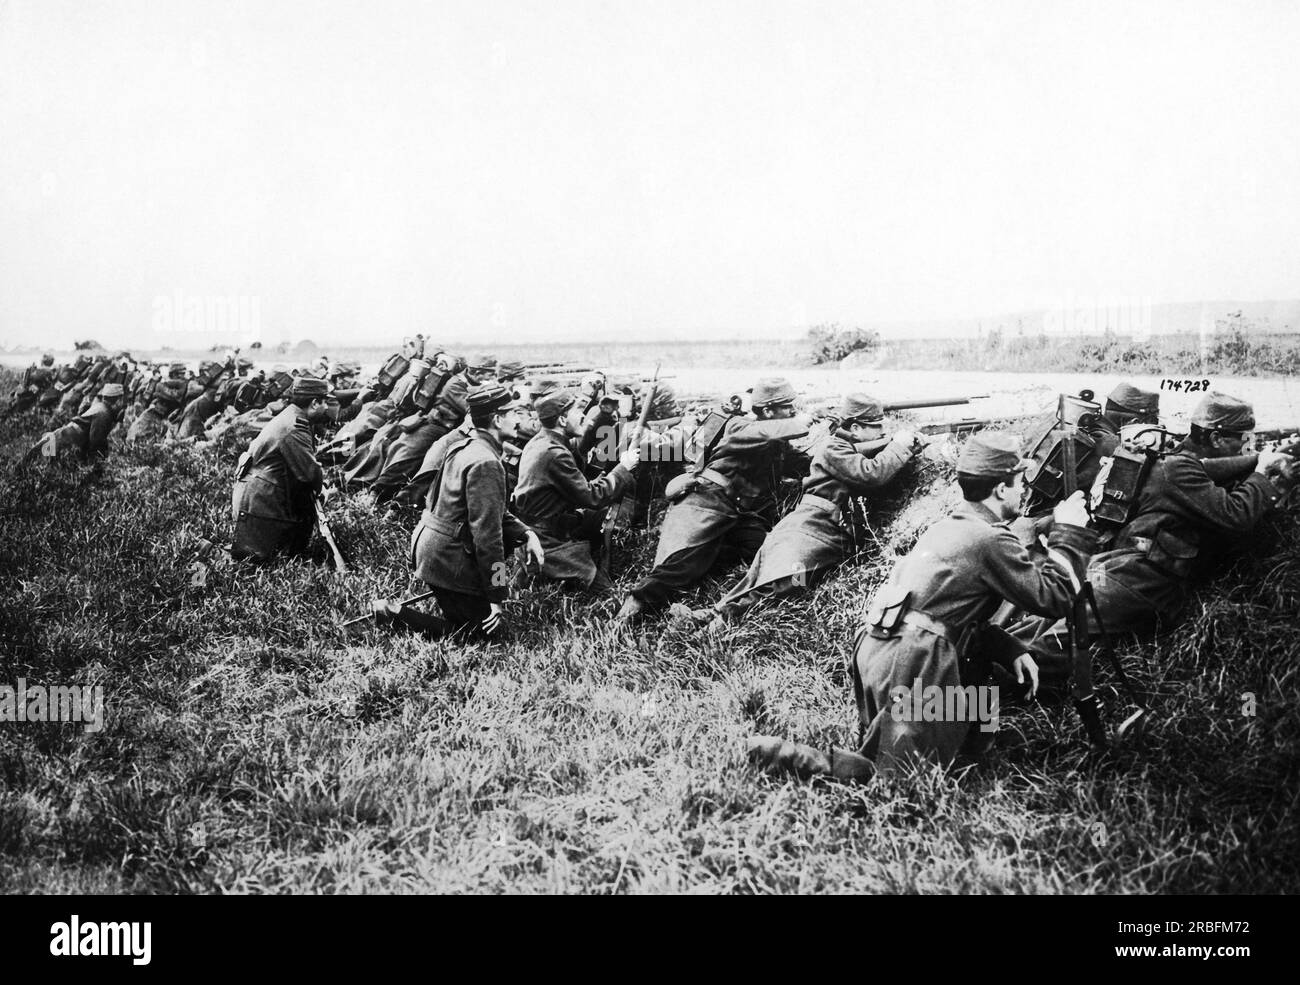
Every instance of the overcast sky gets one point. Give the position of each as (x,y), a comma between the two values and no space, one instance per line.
(555,170)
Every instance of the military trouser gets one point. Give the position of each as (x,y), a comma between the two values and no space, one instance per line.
(403,459)
(682,569)
(261,540)
(461,614)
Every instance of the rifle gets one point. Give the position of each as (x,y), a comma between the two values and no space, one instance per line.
(966,425)
(328,534)
(371,614)
(616,512)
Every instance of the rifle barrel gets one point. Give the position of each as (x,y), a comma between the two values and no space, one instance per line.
(938,402)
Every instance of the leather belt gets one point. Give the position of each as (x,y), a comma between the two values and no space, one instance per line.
(930,625)
(837,514)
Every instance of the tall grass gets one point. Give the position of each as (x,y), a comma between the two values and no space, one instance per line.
(251,746)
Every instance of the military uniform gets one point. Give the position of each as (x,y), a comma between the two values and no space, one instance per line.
(87,434)
(196,414)
(730,505)
(274,496)
(36,382)
(926,625)
(460,546)
(557,501)
(819,533)
(403,456)
(1182,517)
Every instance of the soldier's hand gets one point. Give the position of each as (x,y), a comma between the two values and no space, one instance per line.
(1073,511)
(495,620)
(534,548)
(1024,664)
(1270,461)
(632,453)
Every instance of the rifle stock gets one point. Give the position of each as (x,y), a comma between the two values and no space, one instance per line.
(323,523)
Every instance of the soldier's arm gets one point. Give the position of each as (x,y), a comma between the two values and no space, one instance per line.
(453,401)
(1190,487)
(100,426)
(750,436)
(485,504)
(1221,470)
(842,461)
(300,457)
(1046,590)
(563,473)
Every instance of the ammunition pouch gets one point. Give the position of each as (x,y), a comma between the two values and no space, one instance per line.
(1125,476)
(1168,552)
(679,487)
(887,612)
(427,392)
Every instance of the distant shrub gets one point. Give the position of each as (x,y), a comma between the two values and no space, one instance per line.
(830,343)
(86,344)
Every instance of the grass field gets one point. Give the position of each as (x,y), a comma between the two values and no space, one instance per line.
(251,746)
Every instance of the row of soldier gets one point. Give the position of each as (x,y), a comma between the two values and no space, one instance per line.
(500,467)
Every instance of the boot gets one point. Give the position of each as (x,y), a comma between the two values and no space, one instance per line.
(780,756)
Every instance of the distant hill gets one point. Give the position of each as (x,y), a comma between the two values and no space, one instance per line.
(1092,317)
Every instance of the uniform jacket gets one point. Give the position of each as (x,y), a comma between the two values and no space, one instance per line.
(462,542)
(151,425)
(814,536)
(959,573)
(196,412)
(280,476)
(88,433)
(551,484)
(1180,504)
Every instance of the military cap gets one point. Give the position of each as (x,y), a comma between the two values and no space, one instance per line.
(482,364)
(47,360)
(490,397)
(243,365)
(1128,397)
(309,386)
(540,388)
(991,455)
(1219,412)
(512,370)
(772,390)
(177,369)
(555,404)
(112,390)
(859,407)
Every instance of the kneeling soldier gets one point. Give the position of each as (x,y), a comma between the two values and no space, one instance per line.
(556,500)
(927,626)
(86,436)
(274,500)
(460,547)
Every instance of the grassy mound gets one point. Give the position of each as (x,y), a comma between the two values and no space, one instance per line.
(251,746)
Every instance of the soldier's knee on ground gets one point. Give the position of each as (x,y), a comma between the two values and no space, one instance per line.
(780,755)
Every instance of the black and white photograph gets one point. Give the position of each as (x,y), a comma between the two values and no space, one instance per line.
(731,447)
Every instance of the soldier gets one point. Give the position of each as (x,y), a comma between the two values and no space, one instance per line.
(421,429)
(725,506)
(820,533)
(153,425)
(86,435)
(203,406)
(275,488)
(36,382)
(1182,519)
(556,500)
(926,627)
(460,546)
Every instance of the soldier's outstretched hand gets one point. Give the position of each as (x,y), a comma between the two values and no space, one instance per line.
(632,453)
(495,620)
(1025,665)
(1073,511)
